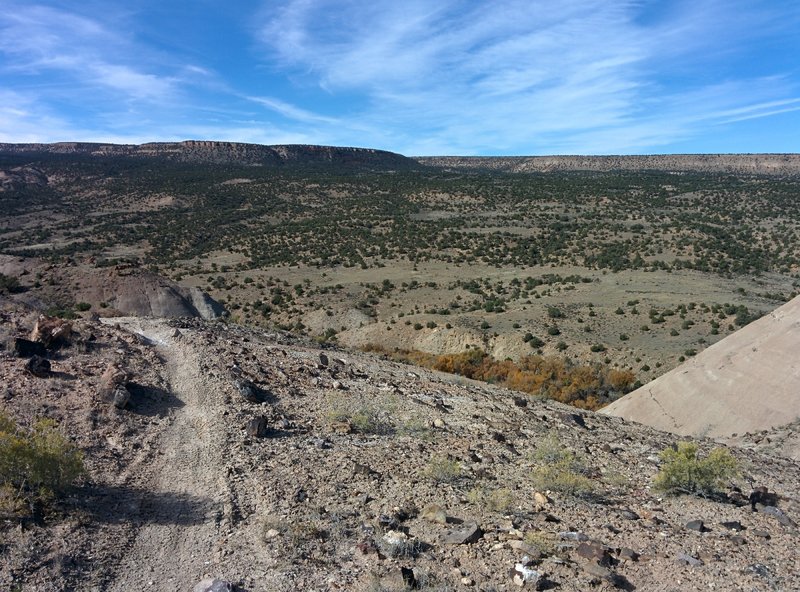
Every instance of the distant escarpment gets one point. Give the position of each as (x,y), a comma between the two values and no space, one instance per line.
(228,153)
(747,164)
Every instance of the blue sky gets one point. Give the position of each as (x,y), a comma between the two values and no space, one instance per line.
(419,77)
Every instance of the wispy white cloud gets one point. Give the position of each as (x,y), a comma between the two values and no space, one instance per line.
(418,76)
(291,111)
(24,119)
(533,75)
(35,39)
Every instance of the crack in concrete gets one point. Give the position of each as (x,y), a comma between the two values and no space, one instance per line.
(664,411)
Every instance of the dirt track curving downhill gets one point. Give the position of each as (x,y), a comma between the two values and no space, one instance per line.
(188,502)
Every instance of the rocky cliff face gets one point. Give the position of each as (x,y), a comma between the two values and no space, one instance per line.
(748,164)
(310,155)
(227,152)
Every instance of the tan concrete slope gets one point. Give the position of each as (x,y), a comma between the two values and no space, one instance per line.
(746,382)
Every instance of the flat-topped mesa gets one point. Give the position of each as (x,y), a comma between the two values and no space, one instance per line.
(220,152)
(756,164)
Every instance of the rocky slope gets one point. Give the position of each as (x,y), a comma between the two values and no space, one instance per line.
(227,152)
(742,164)
(21,177)
(746,383)
(123,289)
(262,461)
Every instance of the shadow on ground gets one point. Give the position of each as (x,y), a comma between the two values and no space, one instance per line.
(112,504)
(151,400)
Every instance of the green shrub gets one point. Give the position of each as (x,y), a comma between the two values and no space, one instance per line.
(683,472)
(61,312)
(558,469)
(8,284)
(496,500)
(443,470)
(535,342)
(35,465)
(361,415)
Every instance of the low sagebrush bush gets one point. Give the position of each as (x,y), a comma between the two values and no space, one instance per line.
(35,464)
(443,470)
(8,284)
(495,500)
(543,541)
(683,471)
(559,469)
(362,417)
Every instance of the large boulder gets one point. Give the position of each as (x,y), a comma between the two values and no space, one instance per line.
(51,332)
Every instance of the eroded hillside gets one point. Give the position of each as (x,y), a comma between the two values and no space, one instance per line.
(248,456)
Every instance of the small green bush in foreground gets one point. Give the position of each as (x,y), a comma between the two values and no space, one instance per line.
(683,472)
(35,465)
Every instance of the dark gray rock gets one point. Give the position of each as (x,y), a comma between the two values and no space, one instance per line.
(322,443)
(573,536)
(696,525)
(733,525)
(597,571)
(761,534)
(38,366)
(629,514)
(256,427)
(400,579)
(25,348)
(247,390)
(758,569)
(466,533)
(687,559)
(573,419)
(213,585)
(779,515)
(595,552)
(121,396)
